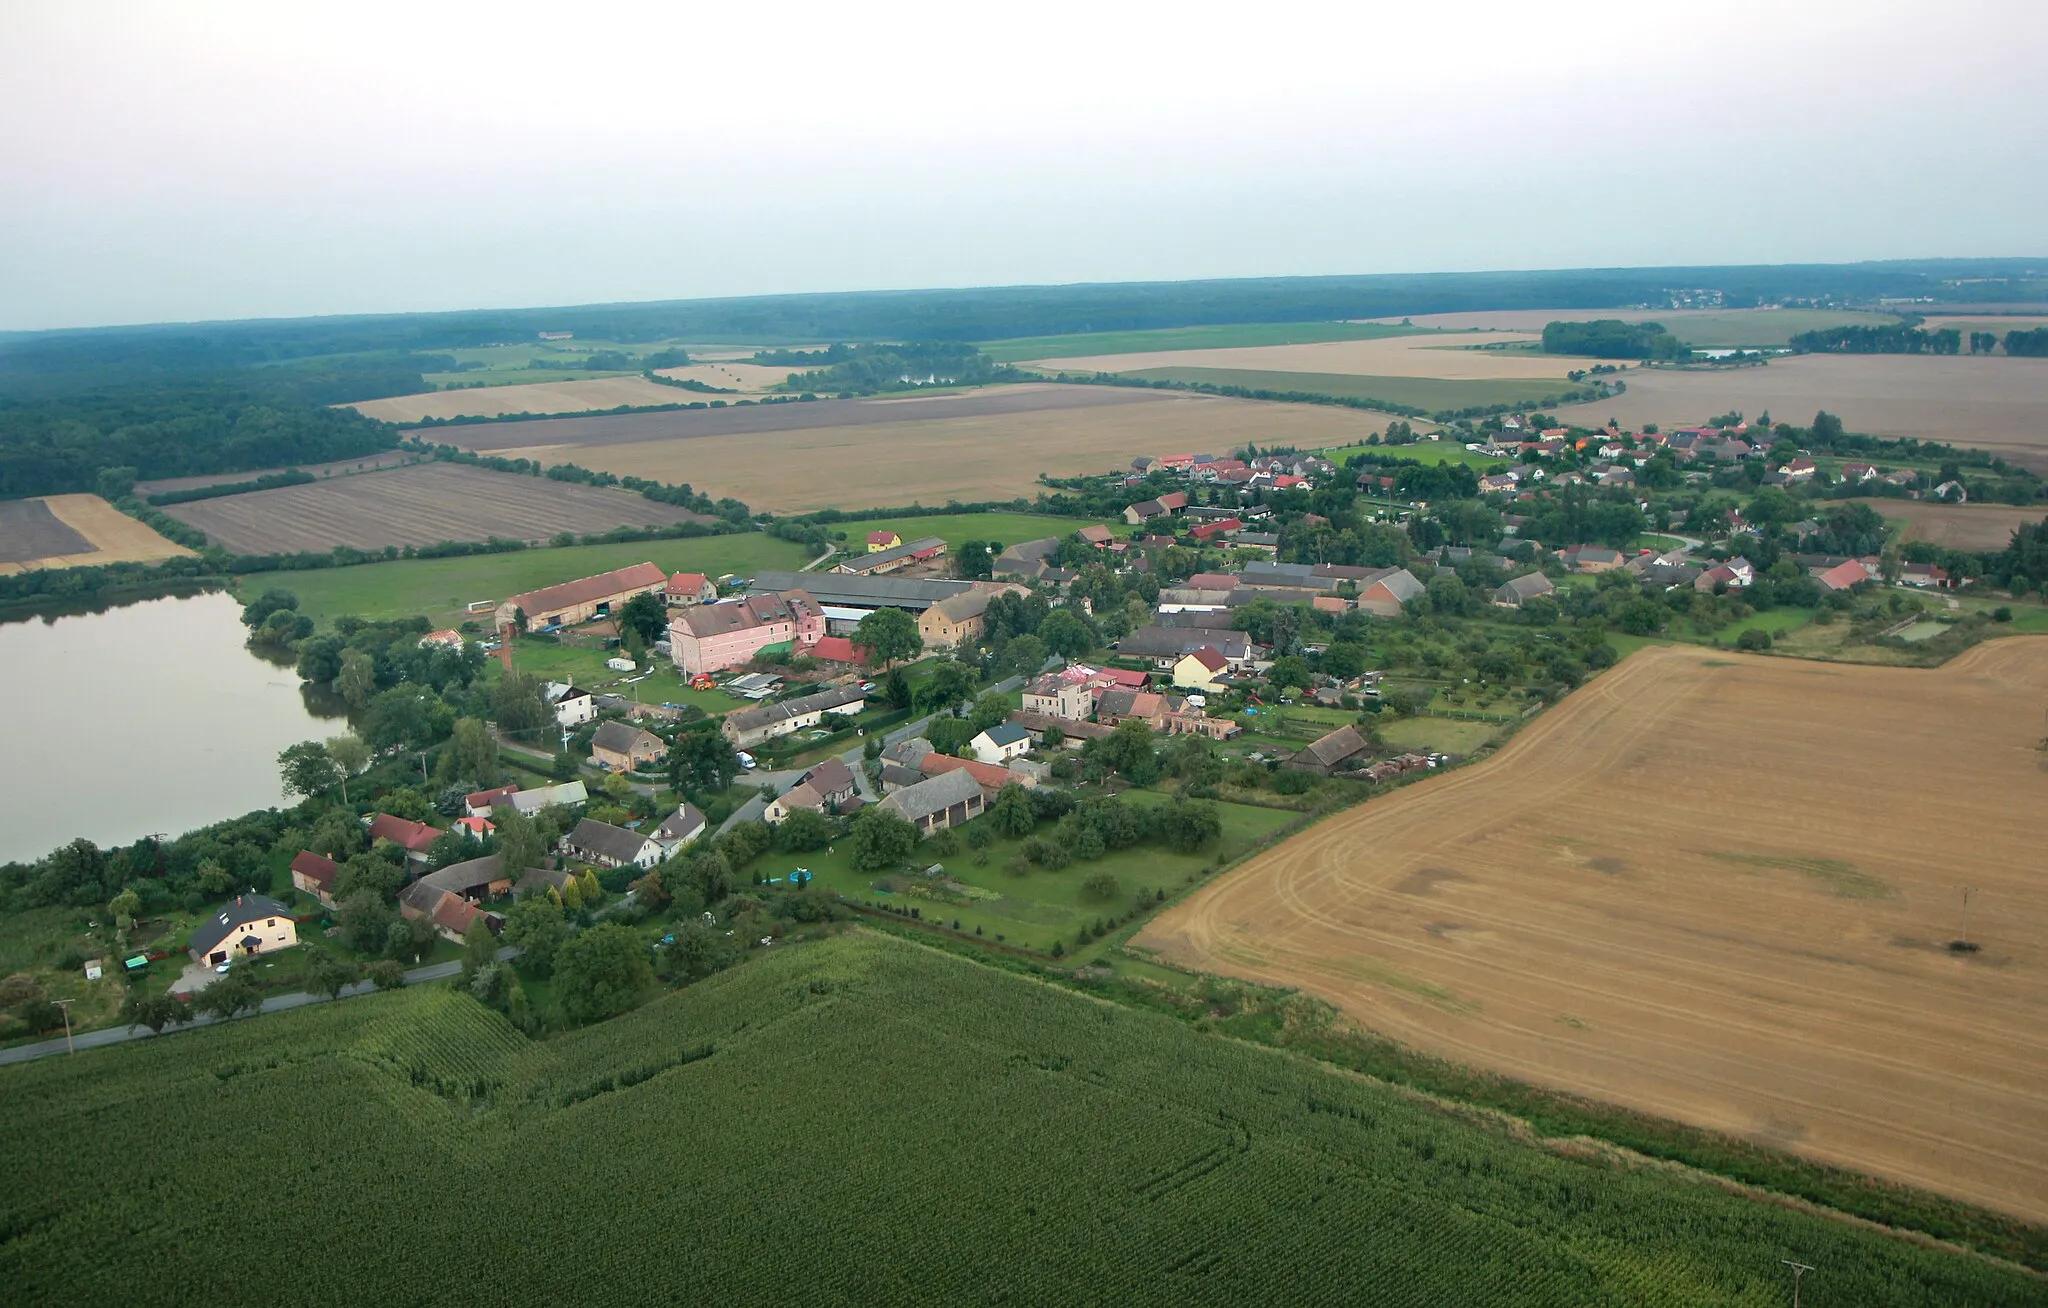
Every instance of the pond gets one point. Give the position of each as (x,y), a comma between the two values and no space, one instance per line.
(146,719)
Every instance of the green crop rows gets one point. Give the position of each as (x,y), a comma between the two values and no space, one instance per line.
(855,1121)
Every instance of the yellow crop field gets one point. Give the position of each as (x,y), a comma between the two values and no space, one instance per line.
(70,531)
(537,397)
(1450,358)
(1715,887)
(1977,527)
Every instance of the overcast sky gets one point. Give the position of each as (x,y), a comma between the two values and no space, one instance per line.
(220,160)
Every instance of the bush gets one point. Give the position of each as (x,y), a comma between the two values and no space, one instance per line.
(1753,639)
(1287,782)
(1101,886)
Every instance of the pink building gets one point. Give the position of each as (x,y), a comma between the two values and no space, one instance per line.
(711,637)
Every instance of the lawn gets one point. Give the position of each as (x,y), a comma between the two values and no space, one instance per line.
(1036,908)
(1429,393)
(1443,735)
(1217,337)
(440,588)
(662,684)
(1007,528)
(1434,452)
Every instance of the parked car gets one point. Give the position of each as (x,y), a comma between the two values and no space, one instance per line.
(747,760)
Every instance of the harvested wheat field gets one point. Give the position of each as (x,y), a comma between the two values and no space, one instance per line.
(590,396)
(71,531)
(975,445)
(419,505)
(1716,888)
(1976,527)
(1706,328)
(1996,404)
(1448,357)
(743,378)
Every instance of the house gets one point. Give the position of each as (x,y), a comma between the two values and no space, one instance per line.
(877,562)
(846,598)
(617,747)
(907,753)
(563,795)
(1926,576)
(712,637)
(1797,470)
(478,803)
(895,776)
(1029,558)
(1209,531)
(750,727)
(610,846)
(954,622)
(448,639)
(1952,491)
(448,898)
(883,539)
(1058,696)
(990,776)
(1521,590)
(688,588)
(1591,558)
(1842,576)
(1330,753)
(1265,542)
(573,706)
(1165,646)
(1199,669)
(1189,721)
(1000,743)
(679,828)
(314,875)
(938,803)
(475,828)
(1144,510)
(1388,591)
(415,838)
(1073,733)
(244,926)
(1096,536)
(1119,704)
(827,786)
(583,600)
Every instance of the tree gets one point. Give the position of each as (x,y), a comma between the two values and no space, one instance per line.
(1101,886)
(1128,752)
(229,996)
(363,921)
(1011,815)
(1024,655)
(1291,670)
(888,635)
(600,972)
(1185,825)
(307,769)
(593,893)
(974,559)
(385,974)
(520,845)
(471,754)
(517,704)
(949,735)
(410,940)
(479,945)
(357,680)
(1344,660)
(124,907)
(702,762)
(140,1008)
(881,838)
(645,614)
(369,874)
(350,756)
(804,830)
(407,716)
(992,707)
(949,683)
(328,975)
(1067,634)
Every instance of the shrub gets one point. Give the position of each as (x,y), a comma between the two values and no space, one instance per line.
(1101,886)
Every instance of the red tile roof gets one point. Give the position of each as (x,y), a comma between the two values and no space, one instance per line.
(320,871)
(583,590)
(414,837)
(834,649)
(989,775)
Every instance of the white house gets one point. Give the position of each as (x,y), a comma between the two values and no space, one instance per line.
(247,924)
(602,843)
(679,829)
(573,706)
(1000,743)
(1199,670)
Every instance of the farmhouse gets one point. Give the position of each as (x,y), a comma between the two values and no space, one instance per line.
(687,588)
(1842,576)
(476,878)
(876,562)
(712,637)
(1388,591)
(617,747)
(582,600)
(954,622)
(1520,590)
(1330,753)
(1073,733)
(245,925)
(1031,559)
(1000,743)
(938,803)
(610,846)
(1591,558)
(1119,705)
(314,875)
(835,649)
(991,776)
(883,540)
(767,721)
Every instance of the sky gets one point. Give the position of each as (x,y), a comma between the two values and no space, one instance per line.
(184,161)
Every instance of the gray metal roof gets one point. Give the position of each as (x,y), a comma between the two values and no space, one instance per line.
(602,838)
(934,794)
(840,588)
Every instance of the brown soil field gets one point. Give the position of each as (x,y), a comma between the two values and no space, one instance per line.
(1717,888)
(1996,404)
(536,397)
(70,531)
(419,505)
(1976,527)
(1448,358)
(368,463)
(977,445)
(1997,325)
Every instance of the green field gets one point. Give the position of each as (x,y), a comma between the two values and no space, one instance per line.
(1218,337)
(858,1120)
(1009,528)
(1762,327)
(1431,393)
(440,588)
(512,365)
(1443,451)
(1032,909)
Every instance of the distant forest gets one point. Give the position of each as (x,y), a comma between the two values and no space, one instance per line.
(1611,338)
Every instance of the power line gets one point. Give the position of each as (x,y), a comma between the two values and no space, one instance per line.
(1799,1271)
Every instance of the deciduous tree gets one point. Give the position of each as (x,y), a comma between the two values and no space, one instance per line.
(601,972)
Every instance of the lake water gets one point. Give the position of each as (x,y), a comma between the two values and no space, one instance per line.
(151,718)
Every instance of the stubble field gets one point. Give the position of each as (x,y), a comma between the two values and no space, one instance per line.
(1715,888)
(976,445)
(1996,404)
(532,397)
(1445,357)
(1705,328)
(1977,527)
(71,531)
(419,505)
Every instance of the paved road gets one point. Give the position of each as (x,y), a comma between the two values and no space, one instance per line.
(275,1004)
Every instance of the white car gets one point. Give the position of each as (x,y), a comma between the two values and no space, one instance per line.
(747,760)
(221,970)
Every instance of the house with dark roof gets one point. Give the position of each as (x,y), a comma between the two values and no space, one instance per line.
(246,925)
(750,727)
(679,828)
(314,875)
(940,802)
(1346,746)
(610,846)
(827,786)
(1000,743)
(1165,646)
(617,747)
(1520,590)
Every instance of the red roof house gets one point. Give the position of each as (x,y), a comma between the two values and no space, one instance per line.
(412,837)
(991,777)
(834,649)
(315,875)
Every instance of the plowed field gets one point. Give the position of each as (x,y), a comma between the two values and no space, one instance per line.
(1715,888)
(70,531)
(419,505)
(1981,527)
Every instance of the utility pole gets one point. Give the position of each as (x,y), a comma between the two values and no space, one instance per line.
(65,1004)
(1799,1271)
(1967,892)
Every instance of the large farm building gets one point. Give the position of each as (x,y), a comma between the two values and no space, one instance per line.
(583,600)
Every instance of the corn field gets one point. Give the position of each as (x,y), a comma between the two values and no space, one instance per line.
(854,1121)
